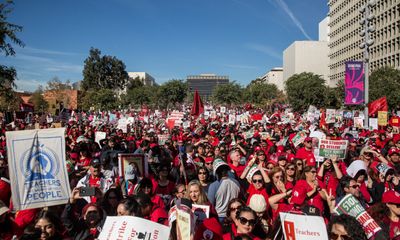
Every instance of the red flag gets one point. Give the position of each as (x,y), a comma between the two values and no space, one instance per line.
(377,105)
(197,107)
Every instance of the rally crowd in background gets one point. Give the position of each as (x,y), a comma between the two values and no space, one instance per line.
(210,161)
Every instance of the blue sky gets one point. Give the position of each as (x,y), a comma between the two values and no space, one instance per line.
(169,39)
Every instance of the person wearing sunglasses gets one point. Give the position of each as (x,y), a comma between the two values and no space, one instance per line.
(233,206)
(345,227)
(243,224)
(306,153)
(277,184)
(290,173)
(203,176)
(257,181)
(330,173)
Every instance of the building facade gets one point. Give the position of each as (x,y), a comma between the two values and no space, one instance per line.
(205,83)
(306,56)
(345,35)
(146,78)
(275,76)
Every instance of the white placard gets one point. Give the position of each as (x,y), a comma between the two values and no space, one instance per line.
(98,136)
(123,125)
(303,227)
(373,123)
(132,228)
(38,172)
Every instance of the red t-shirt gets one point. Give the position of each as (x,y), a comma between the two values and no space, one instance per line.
(316,200)
(307,155)
(394,229)
(238,170)
(94,182)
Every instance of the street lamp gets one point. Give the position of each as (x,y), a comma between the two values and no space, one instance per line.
(366,31)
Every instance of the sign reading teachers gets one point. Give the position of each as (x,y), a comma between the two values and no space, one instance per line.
(303,227)
(37,168)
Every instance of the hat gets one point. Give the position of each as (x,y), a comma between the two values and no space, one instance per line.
(393,151)
(209,229)
(3,208)
(208,159)
(95,162)
(307,139)
(257,203)
(391,196)
(218,163)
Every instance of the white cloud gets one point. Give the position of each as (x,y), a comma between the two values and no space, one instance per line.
(282,4)
(28,84)
(46,51)
(265,49)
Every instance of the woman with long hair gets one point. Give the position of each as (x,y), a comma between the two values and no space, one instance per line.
(50,226)
(233,206)
(110,201)
(203,176)
(277,185)
(243,224)
(290,175)
(196,194)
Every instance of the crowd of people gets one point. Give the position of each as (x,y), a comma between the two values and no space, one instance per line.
(245,179)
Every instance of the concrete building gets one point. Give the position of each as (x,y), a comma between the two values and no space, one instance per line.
(324,30)
(205,83)
(146,78)
(345,39)
(306,56)
(275,76)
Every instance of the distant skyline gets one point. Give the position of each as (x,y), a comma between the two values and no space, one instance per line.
(242,39)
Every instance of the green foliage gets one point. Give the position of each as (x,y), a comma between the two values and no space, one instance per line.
(260,93)
(102,99)
(230,93)
(140,95)
(56,84)
(8,30)
(305,89)
(172,92)
(385,82)
(38,100)
(102,72)
(134,83)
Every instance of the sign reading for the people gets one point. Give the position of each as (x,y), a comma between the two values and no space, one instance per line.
(128,227)
(351,206)
(37,168)
(303,227)
(328,148)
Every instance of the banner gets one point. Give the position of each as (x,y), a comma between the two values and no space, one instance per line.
(38,173)
(351,206)
(382,118)
(354,83)
(303,227)
(379,104)
(129,227)
(328,148)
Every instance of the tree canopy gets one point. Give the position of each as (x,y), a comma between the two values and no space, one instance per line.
(38,100)
(172,92)
(260,93)
(102,99)
(230,93)
(103,72)
(385,82)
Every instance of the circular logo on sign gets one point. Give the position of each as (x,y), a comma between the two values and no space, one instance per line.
(39,163)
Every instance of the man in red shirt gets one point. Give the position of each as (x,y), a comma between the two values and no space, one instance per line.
(235,163)
(306,153)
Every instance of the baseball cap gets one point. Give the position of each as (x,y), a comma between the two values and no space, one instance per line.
(95,162)
(391,197)
(393,151)
(308,139)
(257,203)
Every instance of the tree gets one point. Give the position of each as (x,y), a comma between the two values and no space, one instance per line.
(134,83)
(305,89)
(140,95)
(172,92)
(56,84)
(260,93)
(102,99)
(230,93)
(38,100)
(385,82)
(102,72)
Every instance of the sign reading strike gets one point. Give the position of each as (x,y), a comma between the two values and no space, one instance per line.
(128,227)
(37,168)
(303,227)
(328,148)
(351,206)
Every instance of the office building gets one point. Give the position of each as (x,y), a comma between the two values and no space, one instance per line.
(275,76)
(205,83)
(146,78)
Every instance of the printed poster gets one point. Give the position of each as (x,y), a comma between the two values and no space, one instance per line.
(303,227)
(299,138)
(37,168)
(382,118)
(330,115)
(354,83)
(358,122)
(132,228)
(328,148)
(373,124)
(129,163)
(99,136)
(351,206)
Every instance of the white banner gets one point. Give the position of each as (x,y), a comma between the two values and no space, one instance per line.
(37,168)
(98,136)
(132,228)
(302,227)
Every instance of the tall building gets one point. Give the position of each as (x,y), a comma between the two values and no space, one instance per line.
(146,78)
(306,56)
(275,76)
(323,30)
(345,35)
(205,83)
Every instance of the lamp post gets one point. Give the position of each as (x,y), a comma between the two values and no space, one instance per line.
(366,31)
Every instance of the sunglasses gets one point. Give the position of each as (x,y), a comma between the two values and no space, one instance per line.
(245,221)
(270,168)
(202,173)
(208,163)
(257,181)
(299,164)
(334,236)
(235,208)
(355,186)
(313,171)
(291,169)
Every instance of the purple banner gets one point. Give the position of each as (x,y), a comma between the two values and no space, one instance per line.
(354,83)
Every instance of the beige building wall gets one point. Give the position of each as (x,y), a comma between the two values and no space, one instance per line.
(345,39)
(306,56)
(275,76)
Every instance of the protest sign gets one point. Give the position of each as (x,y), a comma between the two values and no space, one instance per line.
(222,109)
(382,118)
(373,123)
(232,119)
(99,136)
(250,173)
(358,122)
(123,125)
(162,139)
(299,138)
(38,172)
(129,228)
(351,206)
(183,223)
(330,115)
(129,163)
(303,227)
(328,148)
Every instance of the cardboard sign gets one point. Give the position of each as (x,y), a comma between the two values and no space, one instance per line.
(303,227)
(373,124)
(183,224)
(129,228)
(358,122)
(330,115)
(99,136)
(232,119)
(162,139)
(123,125)
(299,138)
(38,172)
(328,148)
(131,163)
(382,118)
(351,206)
